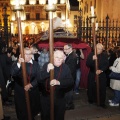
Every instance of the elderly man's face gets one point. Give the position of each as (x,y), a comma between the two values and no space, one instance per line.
(58,59)
(99,50)
(34,50)
(28,55)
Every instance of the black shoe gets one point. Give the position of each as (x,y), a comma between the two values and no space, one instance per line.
(70,107)
(6,118)
(103,106)
(7,103)
(90,102)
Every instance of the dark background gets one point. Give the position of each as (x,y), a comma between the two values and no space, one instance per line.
(74,2)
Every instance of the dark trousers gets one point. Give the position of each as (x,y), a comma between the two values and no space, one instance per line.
(69,98)
(59,108)
(92,94)
(20,102)
(3,87)
(20,107)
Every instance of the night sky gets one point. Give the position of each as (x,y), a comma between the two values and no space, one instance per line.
(74,2)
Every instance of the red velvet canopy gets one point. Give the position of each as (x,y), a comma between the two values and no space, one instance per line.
(76,43)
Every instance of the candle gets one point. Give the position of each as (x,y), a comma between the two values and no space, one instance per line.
(17,3)
(92,11)
(50,2)
(96,26)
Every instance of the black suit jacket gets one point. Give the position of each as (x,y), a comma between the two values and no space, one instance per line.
(71,61)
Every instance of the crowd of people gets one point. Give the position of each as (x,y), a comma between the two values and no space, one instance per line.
(66,80)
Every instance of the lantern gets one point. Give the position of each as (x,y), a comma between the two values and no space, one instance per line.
(17,2)
(55,1)
(62,1)
(32,2)
(42,1)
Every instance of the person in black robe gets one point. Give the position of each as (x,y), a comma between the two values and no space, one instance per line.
(3,86)
(32,67)
(4,60)
(62,80)
(102,67)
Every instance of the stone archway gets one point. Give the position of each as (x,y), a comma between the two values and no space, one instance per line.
(27,30)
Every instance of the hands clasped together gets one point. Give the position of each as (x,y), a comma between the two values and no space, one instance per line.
(54,81)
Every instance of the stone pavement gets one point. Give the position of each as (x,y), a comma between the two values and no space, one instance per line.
(83,110)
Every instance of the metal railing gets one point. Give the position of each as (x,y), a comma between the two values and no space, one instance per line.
(108,32)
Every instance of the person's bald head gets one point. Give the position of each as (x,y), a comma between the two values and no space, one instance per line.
(99,48)
(28,54)
(59,57)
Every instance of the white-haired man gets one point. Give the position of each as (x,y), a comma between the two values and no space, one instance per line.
(32,67)
(62,80)
(102,67)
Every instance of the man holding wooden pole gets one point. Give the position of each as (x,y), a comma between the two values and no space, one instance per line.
(100,72)
(98,63)
(61,81)
(17,8)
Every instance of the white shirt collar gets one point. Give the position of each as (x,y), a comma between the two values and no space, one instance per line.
(70,52)
(33,57)
(30,61)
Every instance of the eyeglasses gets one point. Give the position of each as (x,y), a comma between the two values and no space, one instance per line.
(59,58)
(99,49)
(67,49)
(28,54)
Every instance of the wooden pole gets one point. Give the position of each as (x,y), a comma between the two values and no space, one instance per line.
(23,64)
(51,47)
(51,8)
(96,63)
(1,107)
(107,41)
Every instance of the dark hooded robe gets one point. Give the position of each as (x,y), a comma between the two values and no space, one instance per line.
(102,65)
(19,92)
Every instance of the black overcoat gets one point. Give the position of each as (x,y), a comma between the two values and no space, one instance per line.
(71,61)
(63,75)
(20,102)
(102,65)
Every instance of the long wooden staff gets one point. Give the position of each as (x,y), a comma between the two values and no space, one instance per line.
(96,62)
(1,107)
(51,47)
(95,52)
(18,9)
(51,8)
